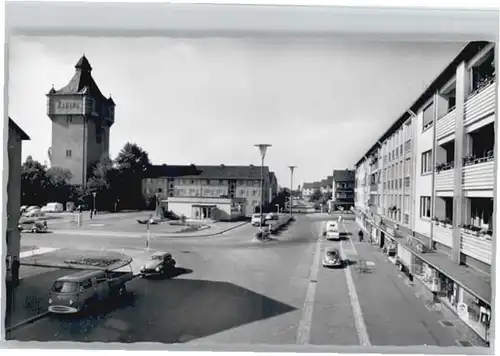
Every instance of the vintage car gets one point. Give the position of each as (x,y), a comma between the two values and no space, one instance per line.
(332,230)
(157,264)
(332,258)
(32,226)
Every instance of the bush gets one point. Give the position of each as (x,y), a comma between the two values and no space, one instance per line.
(258,234)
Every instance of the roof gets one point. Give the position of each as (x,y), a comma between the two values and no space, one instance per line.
(343,176)
(18,130)
(311,185)
(82,82)
(78,275)
(207,172)
(467,53)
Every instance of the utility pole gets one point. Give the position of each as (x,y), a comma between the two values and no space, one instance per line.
(291,189)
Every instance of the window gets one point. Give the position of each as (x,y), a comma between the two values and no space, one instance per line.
(426,162)
(221,181)
(407,166)
(254,192)
(69,119)
(483,71)
(425,207)
(428,117)
(68,153)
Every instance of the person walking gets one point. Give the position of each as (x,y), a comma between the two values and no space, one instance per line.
(360,235)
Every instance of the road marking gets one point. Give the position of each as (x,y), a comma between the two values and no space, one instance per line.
(304,329)
(359,321)
(350,239)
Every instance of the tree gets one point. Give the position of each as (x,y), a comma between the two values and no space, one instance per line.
(34,182)
(59,184)
(316,196)
(102,182)
(131,164)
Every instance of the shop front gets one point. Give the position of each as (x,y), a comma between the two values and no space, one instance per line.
(474,312)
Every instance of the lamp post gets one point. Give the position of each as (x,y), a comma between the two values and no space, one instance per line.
(262,148)
(291,188)
(93,205)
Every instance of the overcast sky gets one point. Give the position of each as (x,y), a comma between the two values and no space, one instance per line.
(320,103)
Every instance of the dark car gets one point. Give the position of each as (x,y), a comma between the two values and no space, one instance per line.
(157,264)
(332,258)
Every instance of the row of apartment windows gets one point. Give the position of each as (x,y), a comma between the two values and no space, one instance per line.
(204,181)
(209,192)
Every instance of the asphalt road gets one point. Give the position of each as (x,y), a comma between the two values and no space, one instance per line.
(233,290)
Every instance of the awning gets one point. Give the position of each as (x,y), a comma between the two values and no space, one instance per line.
(203,206)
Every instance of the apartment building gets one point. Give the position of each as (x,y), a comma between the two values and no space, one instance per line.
(202,192)
(343,189)
(425,189)
(326,186)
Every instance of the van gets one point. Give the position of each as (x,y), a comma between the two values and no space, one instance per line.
(256,219)
(75,293)
(53,208)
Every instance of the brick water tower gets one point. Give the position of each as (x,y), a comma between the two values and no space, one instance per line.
(81,121)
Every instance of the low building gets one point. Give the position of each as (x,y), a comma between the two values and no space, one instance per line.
(13,236)
(327,185)
(200,192)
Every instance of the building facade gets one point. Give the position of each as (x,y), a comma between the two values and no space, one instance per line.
(81,122)
(201,192)
(308,188)
(343,182)
(426,187)
(14,152)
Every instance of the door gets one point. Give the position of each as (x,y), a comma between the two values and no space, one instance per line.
(382,239)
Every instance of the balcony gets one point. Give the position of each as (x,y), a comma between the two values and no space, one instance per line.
(478,174)
(481,103)
(443,235)
(446,125)
(478,247)
(445,179)
(374,187)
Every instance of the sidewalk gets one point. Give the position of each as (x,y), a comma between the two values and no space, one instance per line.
(409,313)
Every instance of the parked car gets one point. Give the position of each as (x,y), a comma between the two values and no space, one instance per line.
(256,220)
(34,213)
(332,258)
(53,208)
(158,263)
(23,209)
(75,293)
(272,216)
(32,225)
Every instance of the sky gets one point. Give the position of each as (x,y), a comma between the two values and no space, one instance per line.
(320,103)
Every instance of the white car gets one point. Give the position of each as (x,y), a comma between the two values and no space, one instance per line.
(332,231)
(272,216)
(256,221)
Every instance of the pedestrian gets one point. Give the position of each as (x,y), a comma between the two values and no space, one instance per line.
(91,211)
(360,235)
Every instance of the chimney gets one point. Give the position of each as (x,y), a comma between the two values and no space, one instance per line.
(222,166)
(251,166)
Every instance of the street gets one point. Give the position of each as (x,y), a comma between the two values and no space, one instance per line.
(231,289)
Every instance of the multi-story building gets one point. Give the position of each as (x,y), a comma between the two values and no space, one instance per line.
(13,236)
(309,188)
(326,185)
(81,121)
(343,189)
(273,186)
(199,192)
(425,189)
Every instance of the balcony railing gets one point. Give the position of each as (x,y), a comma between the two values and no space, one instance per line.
(476,246)
(442,234)
(479,173)
(445,180)
(481,102)
(446,125)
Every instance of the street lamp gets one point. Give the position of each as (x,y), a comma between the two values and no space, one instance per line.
(291,188)
(263,148)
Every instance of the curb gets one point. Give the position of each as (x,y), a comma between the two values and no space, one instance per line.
(141,235)
(26,322)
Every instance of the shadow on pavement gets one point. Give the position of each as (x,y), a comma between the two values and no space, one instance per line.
(174,272)
(173,311)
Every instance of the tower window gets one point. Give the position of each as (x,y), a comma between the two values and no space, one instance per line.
(68,153)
